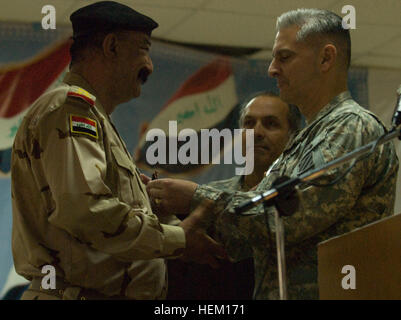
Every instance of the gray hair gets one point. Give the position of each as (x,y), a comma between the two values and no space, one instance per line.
(295,120)
(319,24)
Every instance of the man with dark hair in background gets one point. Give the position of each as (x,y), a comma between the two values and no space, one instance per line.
(274,123)
(311,57)
(79,207)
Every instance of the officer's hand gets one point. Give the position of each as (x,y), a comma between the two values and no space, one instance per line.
(200,247)
(172,195)
(145,179)
(156,208)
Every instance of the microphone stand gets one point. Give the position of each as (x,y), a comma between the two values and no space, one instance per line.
(280,244)
(283,192)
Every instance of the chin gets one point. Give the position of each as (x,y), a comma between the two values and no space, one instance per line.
(289,98)
(262,162)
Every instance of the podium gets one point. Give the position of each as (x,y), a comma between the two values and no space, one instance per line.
(368,257)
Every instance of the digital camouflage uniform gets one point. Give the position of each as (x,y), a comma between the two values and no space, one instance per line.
(241,250)
(230,281)
(79,204)
(364,195)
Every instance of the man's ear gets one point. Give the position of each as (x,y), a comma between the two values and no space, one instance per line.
(110,43)
(328,57)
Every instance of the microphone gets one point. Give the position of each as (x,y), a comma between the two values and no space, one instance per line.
(396,120)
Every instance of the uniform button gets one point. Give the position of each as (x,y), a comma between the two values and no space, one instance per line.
(83,298)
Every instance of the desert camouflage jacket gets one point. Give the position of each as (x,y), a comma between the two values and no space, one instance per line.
(79,204)
(364,195)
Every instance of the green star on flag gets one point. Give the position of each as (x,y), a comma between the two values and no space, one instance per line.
(13,129)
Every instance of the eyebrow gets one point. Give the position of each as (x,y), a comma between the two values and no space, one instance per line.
(281,51)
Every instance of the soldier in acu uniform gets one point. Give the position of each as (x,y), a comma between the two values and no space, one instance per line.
(311,58)
(274,123)
(78,202)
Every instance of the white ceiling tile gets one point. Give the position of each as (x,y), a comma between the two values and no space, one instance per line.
(392,47)
(226,29)
(367,37)
(265,7)
(165,17)
(383,12)
(251,23)
(166,3)
(31,11)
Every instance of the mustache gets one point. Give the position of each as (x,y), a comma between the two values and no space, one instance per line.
(261,146)
(258,145)
(143,75)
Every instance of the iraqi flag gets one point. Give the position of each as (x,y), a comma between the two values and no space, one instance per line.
(204,101)
(22,84)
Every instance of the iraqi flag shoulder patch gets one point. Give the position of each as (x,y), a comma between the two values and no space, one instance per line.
(83,125)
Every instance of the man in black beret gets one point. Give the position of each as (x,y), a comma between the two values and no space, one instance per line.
(83,227)
(107,26)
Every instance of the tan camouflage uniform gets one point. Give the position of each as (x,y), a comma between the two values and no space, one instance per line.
(366,194)
(79,204)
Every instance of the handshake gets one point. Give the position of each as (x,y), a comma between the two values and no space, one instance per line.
(173,196)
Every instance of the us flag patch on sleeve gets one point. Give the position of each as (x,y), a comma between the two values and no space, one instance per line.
(83,125)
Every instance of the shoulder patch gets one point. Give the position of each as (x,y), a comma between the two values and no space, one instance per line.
(78,92)
(83,125)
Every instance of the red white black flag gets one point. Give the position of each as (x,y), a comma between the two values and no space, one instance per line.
(206,100)
(21,85)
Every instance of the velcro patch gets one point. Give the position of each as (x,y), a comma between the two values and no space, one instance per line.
(83,125)
(82,94)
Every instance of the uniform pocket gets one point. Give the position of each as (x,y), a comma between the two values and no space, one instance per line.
(122,159)
(126,172)
(310,158)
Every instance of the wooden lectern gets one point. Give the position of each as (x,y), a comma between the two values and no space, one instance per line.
(375,253)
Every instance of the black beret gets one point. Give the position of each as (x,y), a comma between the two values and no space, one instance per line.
(109,16)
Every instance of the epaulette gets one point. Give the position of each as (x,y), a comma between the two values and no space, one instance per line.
(78,92)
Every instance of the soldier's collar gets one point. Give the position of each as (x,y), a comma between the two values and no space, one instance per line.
(320,115)
(238,181)
(330,106)
(74,79)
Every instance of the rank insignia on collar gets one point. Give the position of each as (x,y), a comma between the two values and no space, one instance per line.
(83,125)
(78,92)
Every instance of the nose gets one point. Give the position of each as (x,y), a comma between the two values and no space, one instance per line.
(258,130)
(273,69)
(149,65)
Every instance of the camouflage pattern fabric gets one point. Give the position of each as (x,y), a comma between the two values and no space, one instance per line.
(79,203)
(364,195)
(237,248)
(231,281)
